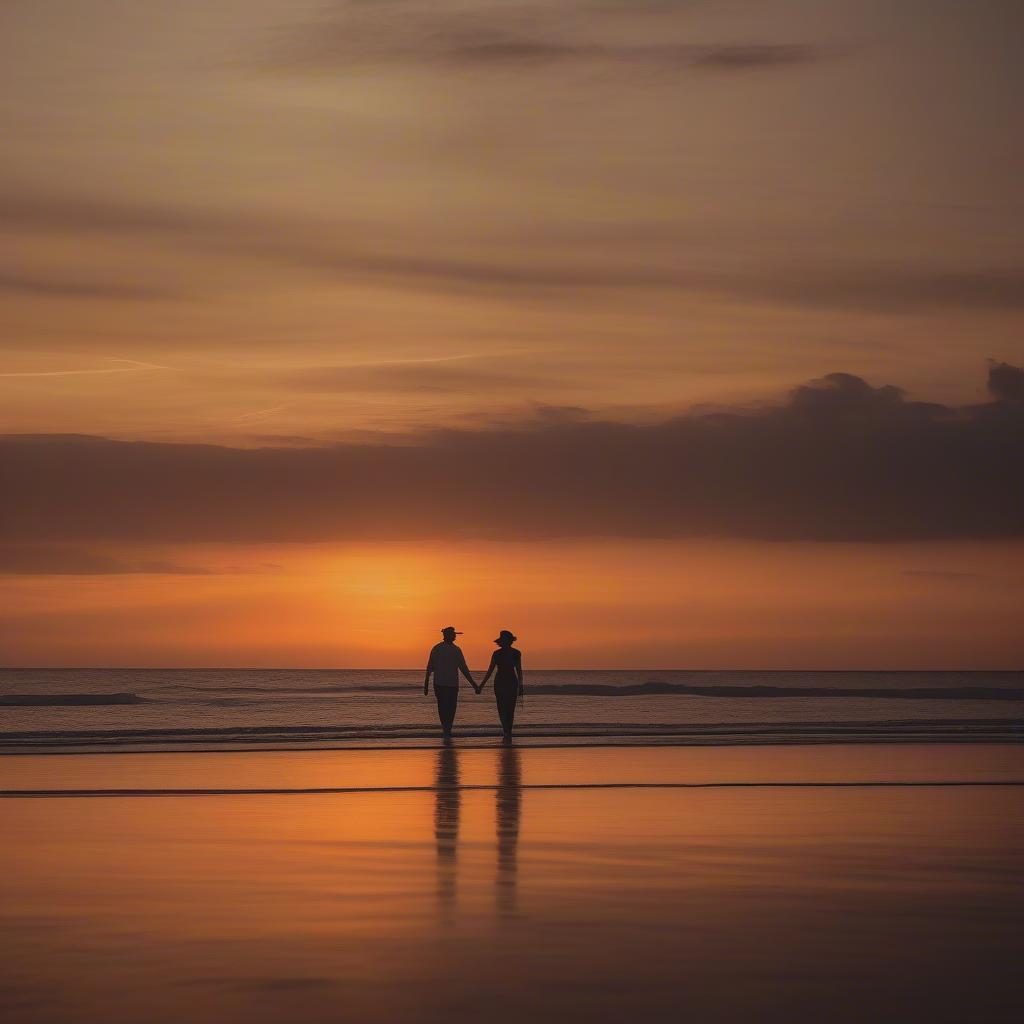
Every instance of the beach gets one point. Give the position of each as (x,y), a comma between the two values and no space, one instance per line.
(842,882)
(513,513)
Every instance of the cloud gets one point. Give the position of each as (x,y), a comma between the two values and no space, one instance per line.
(69,560)
(286,440)
(61,287)
(264,984)
(122,366)
(1006,382)
(414,375)
(496,37)
(887,288)
(755,56)
(20,208)
(841,460)
(941,574)
(276,984)
(878,289)
(287,984)
(489,52)
(844,391)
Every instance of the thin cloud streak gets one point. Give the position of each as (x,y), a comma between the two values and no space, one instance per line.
(941,574)
(488,52)
(405,378)
(133,366)
(61,287)
(888,288)
(70,560)
(522,37)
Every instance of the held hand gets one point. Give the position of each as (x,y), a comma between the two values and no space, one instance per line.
(426,689)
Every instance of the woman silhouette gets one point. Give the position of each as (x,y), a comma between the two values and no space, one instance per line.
(508,683)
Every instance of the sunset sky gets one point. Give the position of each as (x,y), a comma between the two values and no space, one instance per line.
(671,333)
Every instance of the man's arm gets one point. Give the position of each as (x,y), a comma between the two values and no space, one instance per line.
(464,669)
(426,677)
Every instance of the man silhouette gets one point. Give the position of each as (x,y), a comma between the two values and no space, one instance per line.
(445,663)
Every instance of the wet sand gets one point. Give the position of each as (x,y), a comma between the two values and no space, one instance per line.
(595,884)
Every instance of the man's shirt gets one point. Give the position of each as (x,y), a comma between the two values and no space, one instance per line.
(445,661)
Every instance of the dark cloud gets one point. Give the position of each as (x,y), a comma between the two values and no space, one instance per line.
(841,460)
(69,560)
(844,392)
(1006,382)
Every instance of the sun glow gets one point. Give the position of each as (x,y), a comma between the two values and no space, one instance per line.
(573,603)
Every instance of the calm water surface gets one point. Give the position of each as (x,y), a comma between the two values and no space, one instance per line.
(507,884)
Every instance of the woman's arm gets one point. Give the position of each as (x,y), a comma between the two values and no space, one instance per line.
(490,670)
(519,673)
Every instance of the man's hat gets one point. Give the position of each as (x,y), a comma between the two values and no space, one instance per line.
(452,629)
(506,634)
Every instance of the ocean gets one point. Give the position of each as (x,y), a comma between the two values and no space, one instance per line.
(235,709)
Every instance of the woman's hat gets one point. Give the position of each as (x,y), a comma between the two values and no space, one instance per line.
(506,634)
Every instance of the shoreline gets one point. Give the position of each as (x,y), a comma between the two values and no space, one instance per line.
(1009,738)
(384,770)
(43,794)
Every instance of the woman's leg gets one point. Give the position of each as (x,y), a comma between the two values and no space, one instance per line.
(506,698)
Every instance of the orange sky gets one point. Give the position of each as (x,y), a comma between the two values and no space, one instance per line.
(240,219)
(651,604)
(259,223)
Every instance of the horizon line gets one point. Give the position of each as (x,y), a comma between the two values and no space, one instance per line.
(418,668)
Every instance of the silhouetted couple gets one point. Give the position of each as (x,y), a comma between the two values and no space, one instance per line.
(447,661)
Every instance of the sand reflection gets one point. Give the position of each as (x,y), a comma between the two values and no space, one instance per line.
(508,812)
(448,820)
(447,811)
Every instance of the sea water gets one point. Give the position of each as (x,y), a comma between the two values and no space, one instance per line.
(251,708)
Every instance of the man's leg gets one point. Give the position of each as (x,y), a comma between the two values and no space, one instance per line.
(453,703)
(447,702)
(439,697)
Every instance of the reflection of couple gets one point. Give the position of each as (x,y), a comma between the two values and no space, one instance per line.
(447,661)
(447,814)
